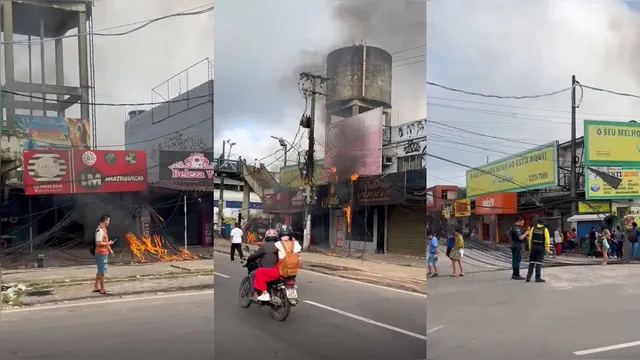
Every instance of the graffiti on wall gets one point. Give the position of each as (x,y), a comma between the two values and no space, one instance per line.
(409,131)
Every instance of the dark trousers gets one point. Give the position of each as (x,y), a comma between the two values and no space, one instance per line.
(592,248)
(235,247)
(619,249)
(516,258)
(536,257)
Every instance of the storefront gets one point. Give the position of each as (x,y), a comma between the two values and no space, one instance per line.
(406,222)
(495,214)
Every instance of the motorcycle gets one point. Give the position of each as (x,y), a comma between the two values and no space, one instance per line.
(284,293)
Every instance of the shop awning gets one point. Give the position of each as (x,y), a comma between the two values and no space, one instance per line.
(185,186)
(589,217)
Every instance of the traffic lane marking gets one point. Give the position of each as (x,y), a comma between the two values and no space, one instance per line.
(104,302)
(359,283)
(366,320)
(435,329)
(607,348)
(221,275)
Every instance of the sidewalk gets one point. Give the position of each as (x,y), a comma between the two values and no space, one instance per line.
(74,283)
(402,272)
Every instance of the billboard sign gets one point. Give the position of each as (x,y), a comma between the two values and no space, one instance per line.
(597,188)
(532,169)
(497,204)
(387,189)
(354,145)
(594,207)
(462,207)
(46,172)
(290,175)
(187,166)
(609,143)
(101,171)
(48,132)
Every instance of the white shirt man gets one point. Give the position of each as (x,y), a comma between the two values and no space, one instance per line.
(236,242)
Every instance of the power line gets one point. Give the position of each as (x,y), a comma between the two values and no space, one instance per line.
(144,24)
(521,97)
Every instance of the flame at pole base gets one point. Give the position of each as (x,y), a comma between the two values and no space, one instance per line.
(152,248)
(347,209)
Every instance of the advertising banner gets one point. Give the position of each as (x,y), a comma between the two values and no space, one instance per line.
(594,207)
(186,166)
(46,172)
(48,132)
(497,204)
(532,169)
(387,189)
(354,145)
(610,143)
(101,171)
(628,187)
(462,208)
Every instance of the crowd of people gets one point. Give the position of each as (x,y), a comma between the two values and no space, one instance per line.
(455,252)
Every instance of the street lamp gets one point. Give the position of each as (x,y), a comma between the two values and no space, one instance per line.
(284,144)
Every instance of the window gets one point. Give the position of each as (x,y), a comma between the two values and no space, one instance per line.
(410,162)
(444,194)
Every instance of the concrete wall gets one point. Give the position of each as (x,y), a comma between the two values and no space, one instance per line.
(179,126)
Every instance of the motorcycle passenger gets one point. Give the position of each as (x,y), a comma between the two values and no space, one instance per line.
(267,253)
(286,246)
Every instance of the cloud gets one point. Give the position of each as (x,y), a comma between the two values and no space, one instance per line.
(523,48)
(128,67)
(259,57)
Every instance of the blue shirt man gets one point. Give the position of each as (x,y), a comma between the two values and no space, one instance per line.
(432,258)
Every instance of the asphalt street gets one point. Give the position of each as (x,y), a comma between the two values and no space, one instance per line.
(335,319)
(586,312)
(159,327)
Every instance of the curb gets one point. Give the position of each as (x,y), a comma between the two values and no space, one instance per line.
(80,281)
(117,295)
(389,283)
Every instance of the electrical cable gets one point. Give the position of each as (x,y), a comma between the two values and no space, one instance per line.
(190,12)
(494,96)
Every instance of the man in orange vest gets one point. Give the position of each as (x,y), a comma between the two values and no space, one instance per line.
(102,251)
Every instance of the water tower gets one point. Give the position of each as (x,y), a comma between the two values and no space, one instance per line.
(360,80)
(49,20)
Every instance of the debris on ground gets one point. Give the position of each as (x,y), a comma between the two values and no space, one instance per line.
(11,294)
(156,248)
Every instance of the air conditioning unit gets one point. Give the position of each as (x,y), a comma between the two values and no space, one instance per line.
(387,160)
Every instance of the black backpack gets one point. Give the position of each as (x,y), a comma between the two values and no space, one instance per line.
(92,245)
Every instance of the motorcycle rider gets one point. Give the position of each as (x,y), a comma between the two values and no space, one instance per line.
(265,273)
(268,253)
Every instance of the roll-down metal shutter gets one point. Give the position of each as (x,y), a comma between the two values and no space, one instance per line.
(406,226)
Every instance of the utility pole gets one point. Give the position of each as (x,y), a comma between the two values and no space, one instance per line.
(221,197)
(309,122)
(574,180)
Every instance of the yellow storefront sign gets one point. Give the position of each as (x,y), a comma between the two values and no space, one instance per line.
(594,207)
(462,208)
(290,175)
(611,143)
(532,169)
(629,188)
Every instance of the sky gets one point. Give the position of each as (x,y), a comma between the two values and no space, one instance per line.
(523,47)
(128,67)
(260,53)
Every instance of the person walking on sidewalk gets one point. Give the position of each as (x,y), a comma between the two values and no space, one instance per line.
(633,239)
(101,254)
(539,244)
(432,258)
(517,235)
(236,242)
(457,253)
(618,236)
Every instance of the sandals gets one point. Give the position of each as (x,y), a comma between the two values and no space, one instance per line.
(102,292)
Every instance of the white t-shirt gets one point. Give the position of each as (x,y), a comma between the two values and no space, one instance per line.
(99,234)
(281,253)
(236,236)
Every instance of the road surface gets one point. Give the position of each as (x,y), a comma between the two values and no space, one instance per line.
(164,327)
(586,312)
(337,319)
